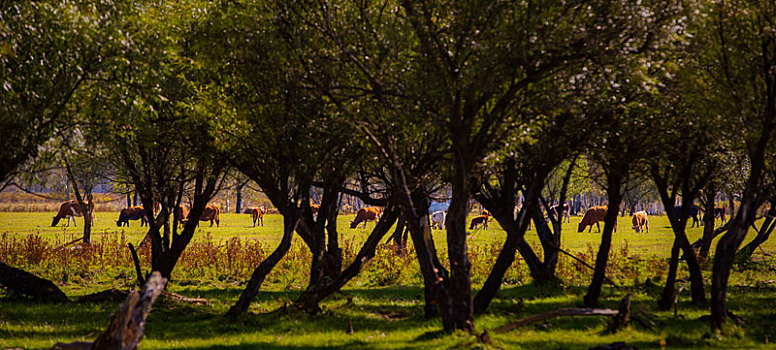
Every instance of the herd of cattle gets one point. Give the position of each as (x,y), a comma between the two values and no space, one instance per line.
(438,211)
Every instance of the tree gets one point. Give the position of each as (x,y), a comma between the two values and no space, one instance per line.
(738,65)
(49,50)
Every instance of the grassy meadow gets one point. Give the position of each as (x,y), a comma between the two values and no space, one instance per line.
(386,309)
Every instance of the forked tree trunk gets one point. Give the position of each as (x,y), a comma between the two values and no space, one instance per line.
(515,231)
(724,257)
(766,228)
(313,295)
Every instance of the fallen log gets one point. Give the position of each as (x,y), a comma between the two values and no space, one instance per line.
(25,283)
(621,317)
(128,323)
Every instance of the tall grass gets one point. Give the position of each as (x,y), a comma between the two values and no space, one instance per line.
(210,261)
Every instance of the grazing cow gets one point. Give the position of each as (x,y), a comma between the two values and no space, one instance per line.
(180,214)
(437,206)
(592,217)
(257,214)
(565,212)
(69,210)
(693,214)
(132,213)
(720,213)
(366,214)
(210,213)
(479,220)
(640,221)
(438,219)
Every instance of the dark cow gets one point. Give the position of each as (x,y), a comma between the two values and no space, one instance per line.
(693,214)
(257,214)
(720,213)
(70,209)
(565,212)
(210,213)
(366,214)
(592,217)
(479,220)
(132,213)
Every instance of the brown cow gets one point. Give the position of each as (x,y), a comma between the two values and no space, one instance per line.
(640,221)
(132,213)
(479,220)
(366,214)
(592,217)
(69,210)
(180,215)
(210,213)
(257,214)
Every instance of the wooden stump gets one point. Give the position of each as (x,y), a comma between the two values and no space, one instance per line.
(128,323)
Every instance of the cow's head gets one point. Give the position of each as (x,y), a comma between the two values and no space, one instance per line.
(581,228)
(353,224)
(636,228)
(55,221)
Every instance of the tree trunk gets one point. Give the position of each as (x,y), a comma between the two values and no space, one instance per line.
(434,274)
(238,202)
(515,236)
(25,283)
(457,310)
(312,296)
(666,299)
(766,228)
(709,221)
(594,290)
(724,258)
(290,220)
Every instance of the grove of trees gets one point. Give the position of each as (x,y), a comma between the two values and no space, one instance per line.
(508,102)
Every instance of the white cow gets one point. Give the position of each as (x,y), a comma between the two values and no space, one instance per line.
(438,219)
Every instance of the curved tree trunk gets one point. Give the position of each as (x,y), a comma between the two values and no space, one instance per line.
(290,220)
(666,299)
(594,290)
(766,228)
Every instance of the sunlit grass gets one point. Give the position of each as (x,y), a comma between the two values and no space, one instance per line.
(389,316)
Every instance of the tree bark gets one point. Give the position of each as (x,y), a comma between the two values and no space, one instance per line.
(313,295)
(458,310)
(434,274)
(766,228)
(666,299)
(25,283)
(709,221)
(594,290)
(290,220)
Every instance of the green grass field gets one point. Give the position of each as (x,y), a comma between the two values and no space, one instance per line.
(384,315)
